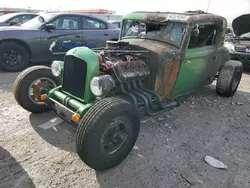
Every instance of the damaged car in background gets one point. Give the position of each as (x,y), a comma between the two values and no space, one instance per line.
(239,45)
(105,91)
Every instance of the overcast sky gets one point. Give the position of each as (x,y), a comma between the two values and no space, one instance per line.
(222,7)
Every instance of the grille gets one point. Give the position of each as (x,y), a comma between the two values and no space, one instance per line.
(74,76)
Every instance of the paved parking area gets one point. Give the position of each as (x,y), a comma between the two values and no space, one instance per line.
(169,152)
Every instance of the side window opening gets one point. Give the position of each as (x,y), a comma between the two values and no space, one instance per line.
(88,23)
(63,23)
(203,35)
(21,19)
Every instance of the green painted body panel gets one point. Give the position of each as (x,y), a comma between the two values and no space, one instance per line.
(193,73)
(92,61)
(68,101)
(134,16)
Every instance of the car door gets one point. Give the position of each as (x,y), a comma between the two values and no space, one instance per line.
(95,32)
(215,59)
(66,35)
(198,61)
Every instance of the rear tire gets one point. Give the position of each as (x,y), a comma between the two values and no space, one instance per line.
(13,57)
(22,87)
(103,122)
(229,78)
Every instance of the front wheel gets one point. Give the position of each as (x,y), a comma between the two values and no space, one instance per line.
(30,84)
(229,78)
(13,57)
(107,133)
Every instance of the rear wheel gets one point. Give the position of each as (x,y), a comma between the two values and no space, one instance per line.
(107,133)
(30,84)
(13,57)
(229,78)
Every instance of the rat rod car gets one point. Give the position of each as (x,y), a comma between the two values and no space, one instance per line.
(105,91)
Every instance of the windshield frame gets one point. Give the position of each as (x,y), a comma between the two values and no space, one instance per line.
(152,38)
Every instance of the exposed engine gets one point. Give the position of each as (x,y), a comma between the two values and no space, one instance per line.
(123,70)
(123,66)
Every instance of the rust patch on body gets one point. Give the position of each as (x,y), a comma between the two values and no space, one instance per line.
(166,78)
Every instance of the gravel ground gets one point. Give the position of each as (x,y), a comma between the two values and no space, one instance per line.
(169,152)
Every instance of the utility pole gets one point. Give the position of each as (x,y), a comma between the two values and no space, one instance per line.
(208,5)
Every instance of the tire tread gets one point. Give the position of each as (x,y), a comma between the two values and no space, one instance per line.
(90,119)
(223,86)
(18,84)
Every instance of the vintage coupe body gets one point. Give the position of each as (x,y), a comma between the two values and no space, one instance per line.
(160,56)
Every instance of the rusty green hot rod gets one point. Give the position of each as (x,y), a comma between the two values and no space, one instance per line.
(159,57)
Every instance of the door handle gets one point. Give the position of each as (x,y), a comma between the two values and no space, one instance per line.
(106,34)
(187,61)
(77,36)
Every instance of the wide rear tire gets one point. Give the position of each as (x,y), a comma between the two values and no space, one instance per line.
(229,78)
(24,82)
(107,133)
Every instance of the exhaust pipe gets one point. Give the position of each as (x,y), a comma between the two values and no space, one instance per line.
(161,104)
(130,95)
(139,95)
(146,102)
(149,96)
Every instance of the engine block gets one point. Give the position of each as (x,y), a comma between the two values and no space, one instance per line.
(125,65)
(132,69)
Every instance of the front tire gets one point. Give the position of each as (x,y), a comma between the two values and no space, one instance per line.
(229,78)
(13,57)
(28,85)
(107,133)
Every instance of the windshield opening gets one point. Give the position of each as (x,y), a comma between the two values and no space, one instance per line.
(169,32)
(5,17)
(35,23)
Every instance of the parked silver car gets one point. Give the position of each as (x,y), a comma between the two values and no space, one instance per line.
(16,18)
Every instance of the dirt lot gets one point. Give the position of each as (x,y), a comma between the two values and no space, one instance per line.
(169,152)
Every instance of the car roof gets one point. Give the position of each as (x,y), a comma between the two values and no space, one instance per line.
(76,14)
(188,16)
(79,14)
(21,13)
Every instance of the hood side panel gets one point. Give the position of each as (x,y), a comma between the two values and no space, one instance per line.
(164,63)
(241,24)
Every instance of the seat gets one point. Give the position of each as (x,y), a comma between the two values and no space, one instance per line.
(71,25)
